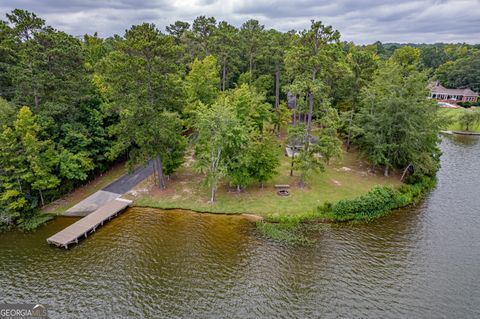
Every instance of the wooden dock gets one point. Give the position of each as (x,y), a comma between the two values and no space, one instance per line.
(89,223)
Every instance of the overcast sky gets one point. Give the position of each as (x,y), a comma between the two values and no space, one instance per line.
(361,21)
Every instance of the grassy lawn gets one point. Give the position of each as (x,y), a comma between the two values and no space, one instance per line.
(59,206)
(454,114)
(344,178)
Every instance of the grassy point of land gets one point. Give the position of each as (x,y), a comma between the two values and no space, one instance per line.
(455,125)
(59,206)
(345,178)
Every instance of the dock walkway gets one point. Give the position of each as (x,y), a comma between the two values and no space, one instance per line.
(89,223)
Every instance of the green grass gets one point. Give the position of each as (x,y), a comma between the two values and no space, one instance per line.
(454,115)
(343,179)
(380,201)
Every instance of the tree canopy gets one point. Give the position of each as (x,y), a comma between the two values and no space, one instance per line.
(70,107)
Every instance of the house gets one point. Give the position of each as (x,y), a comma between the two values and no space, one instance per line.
(440,93)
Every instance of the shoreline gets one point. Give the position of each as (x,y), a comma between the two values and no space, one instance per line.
(250,216)
(465,133)
(290,228)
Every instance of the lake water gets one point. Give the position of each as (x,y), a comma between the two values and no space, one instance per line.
(421,262)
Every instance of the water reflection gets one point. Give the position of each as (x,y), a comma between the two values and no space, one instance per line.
(421,262)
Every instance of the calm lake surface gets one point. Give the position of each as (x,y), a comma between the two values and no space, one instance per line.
(415,263)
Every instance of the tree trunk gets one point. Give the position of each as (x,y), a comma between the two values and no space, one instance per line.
(37,101)
(238,188)
(302,180)
(155,173)
(277,89)
(213,196)
(295,111)
(41,197)
(350,122)
(310,112)
(291,163)
(251,69)
(405,172)
(385,173)
(161,179)
(354,106)
(277,100)
(309,121)
(224,75)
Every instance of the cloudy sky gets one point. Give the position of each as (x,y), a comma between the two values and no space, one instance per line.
(361,21)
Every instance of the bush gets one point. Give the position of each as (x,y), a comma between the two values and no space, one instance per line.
(377,202)
(34,221)
(465,104)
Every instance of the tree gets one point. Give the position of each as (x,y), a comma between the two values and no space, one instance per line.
(295,139)
(7,113)
(219,135)
(178,29)
(329,144)
(28,161)
(94,49)
(469,119)
(25,24)
(250,107)
(407,56)
(263,158)
(202,82)
(363,63)
(308,59)
(225,48)
(277,42)
(397,126)
(308,161)
(143,87)
(251,33)
(462,73)
(253,114)
(203,29)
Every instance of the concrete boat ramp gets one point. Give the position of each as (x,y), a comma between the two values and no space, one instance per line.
(99,208)
(88,224)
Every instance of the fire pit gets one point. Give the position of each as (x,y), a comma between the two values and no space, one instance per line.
(283,192)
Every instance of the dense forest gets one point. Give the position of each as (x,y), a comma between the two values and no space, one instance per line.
(71,107)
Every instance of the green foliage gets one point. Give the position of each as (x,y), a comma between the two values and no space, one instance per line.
(92,101)
(461,73)
(203,83)
(406,56)
(308,161)
(33,221)
(378,202)
(262,158)
(293,229)
(329,144)
(289,233)
(469,119)
(141,82)
(220,134)
(396,123)
(7,113)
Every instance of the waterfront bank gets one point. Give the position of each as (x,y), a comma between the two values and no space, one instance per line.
(417,262)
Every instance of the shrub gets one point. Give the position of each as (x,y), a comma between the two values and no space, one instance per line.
(465,104)
(377,202)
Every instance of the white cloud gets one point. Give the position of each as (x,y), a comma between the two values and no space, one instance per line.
(357,20)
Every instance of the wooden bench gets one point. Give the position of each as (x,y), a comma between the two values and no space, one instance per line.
(282,186)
